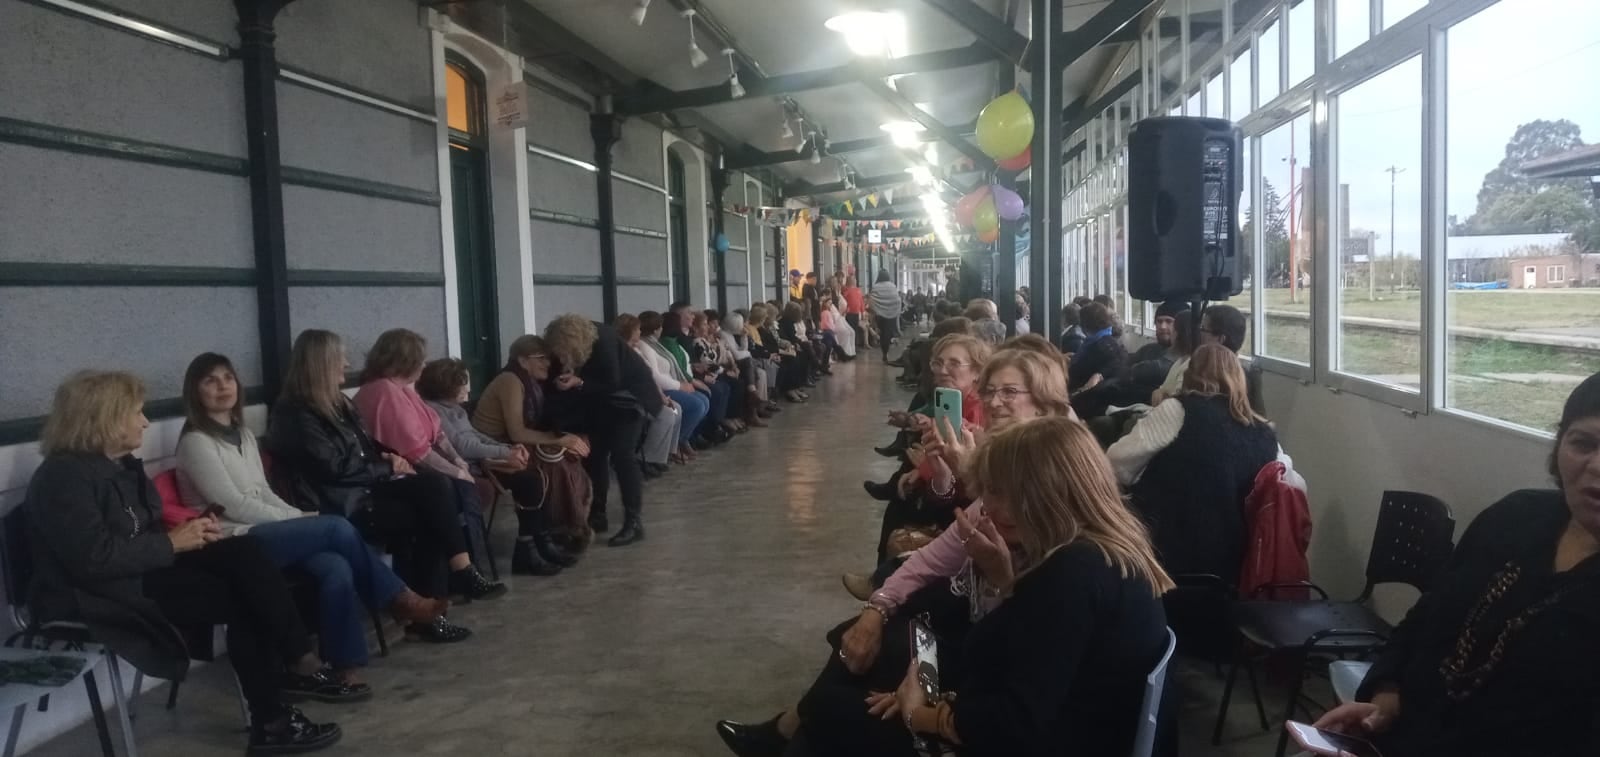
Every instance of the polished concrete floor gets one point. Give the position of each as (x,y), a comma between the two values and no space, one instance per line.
(637,651)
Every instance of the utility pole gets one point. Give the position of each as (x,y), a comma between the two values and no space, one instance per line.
(1393,171)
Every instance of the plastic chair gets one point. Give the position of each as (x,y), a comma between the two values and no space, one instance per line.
(1412,542)
(1346,677)
(1144,739)
(56,639)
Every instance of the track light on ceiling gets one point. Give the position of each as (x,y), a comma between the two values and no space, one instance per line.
(637,14)
(735,90)
(697,57)
(816,147)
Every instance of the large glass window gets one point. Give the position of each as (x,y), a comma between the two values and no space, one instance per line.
(1302,41)
(1518,342)
(1192,105)
(1285,240)
(1267,64)
(1378,207)
(1352,23)
(1216,107)
(1246,246)
(1394,10)
(1239,86)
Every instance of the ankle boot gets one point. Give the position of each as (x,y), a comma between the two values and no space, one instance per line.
(411,607)
(533,527)
(526,560)
(632,531)
(752,739)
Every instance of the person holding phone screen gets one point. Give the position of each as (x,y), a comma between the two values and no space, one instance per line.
(1500,657)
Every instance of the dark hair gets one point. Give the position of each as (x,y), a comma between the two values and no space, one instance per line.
(679,305)
(626,325)
(1105,299)
(398,352)
(1171,308)
(1584,402)
(442,379)
(1183,332)
(883,274)
(1071,313)
(712,315)
(1095,317)
(1226,322)
(959,324)
(1081,300)
(650,322)
(194,411)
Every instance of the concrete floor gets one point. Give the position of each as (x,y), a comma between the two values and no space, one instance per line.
(638,651)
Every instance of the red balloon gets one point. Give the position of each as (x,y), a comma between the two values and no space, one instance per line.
(1017,162)
(966,205)
(988,236)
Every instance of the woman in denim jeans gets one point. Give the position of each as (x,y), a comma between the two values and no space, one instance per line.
(219,465)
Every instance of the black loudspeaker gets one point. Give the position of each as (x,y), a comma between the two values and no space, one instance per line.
(1184,181)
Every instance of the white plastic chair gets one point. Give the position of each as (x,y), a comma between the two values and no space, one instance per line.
(1144,739)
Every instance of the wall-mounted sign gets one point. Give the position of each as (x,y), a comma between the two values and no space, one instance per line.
(510,106)
(874,236)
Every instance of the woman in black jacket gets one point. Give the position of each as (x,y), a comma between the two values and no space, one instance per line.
(102,559)
(325,461)
(1499,657)
(613,390)
(1098,364)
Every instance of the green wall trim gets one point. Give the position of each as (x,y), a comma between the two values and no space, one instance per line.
(552,216)
(641,282)
(306,177)
(351,93)
(330,278)
(139,26)
(638,232)
(116,274)
(104,145)
(561,279)
(24,430)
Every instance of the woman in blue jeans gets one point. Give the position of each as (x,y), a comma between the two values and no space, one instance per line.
(672,377)
(220,468)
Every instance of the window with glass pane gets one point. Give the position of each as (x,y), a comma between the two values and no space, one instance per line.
(1302,41)
(1516,347)
(1245,248)
(1378,128)
(1285,240)
(1267,63)
(1352,22)
(1191,106)
(1395,10)
(1216,107)
(1239,86)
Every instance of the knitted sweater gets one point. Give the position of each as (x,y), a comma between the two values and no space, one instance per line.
(212,471)
(470,443)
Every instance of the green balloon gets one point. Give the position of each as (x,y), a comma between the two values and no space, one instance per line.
(984,217)
(1005,127)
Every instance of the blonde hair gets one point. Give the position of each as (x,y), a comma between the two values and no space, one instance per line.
(88,410)
(976,348)
(1214,370)
(311,362)
(758,316)
(570,339)
(1059,486)
(1045,379)
(398,353)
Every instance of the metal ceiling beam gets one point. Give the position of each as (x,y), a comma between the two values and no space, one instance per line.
(991,32)
(934,125)
(1169,28)
(1094,32)
(756,158)
(859,71)
(862,185)
(1100,103)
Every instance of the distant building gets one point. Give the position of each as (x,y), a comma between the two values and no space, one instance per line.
(1522,261)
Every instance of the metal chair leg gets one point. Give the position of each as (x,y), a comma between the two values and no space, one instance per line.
(1255,690)
(99,713)
(172,696)
(1222,710)
(138,686)
(244,708)
(123,701)
(377,627)
(16,729)
(1294,699)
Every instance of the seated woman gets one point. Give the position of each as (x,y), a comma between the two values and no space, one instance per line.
(717,368)
(1190,464)
(1065,592)
(444,385)
(792,329)
(789,376)
(554,499)
(677,340)
(327,463)
(835,323)
(729,332)
(219,466)
(644,337)
(1498,658)
(1100,360)
(827,327)
(985,317)
(663,432)
(102,559)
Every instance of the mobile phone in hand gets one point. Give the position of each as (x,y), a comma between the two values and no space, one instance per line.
(1330,743)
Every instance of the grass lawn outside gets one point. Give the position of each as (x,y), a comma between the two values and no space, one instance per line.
(1505,309)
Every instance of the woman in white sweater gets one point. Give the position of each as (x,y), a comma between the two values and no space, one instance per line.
(220,469)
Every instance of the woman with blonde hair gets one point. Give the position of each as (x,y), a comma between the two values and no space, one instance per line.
(324,460)
(1071,619)
(102,559)
(1190,463)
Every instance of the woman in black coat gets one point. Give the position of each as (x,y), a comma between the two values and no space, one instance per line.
(323,460)
(1499,657)
(102,558)
(1100,361)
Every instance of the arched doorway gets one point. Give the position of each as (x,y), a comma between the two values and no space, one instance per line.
(474,235)
(678,212)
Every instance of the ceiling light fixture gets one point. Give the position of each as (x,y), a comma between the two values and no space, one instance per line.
(697,57)
(637,14)
(871,34)
(816,148)
(735,90)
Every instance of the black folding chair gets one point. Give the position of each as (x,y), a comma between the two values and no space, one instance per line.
(1411,544)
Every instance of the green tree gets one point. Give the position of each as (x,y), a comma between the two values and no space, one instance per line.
(1274,231)
(1509,203)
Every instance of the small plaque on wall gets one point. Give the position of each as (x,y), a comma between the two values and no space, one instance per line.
(874,236)
(510,106)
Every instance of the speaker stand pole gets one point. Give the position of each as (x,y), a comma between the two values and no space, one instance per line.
(1044,253)
(1005,248)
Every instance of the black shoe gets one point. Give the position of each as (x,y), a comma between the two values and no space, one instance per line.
(321,686)
(895,363)
(649,472)
(526,561)
(632,531)
(890,450)
(598,522)
(752,739)
(877,491)
(774,407)
(552,552)
(659,468)
(292,734)
(699,443)
(471,585)
(440,631)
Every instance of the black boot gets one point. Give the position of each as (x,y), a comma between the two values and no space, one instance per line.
(533,528)
(877,491)
(526,560)
(471,584)
(632,531)
(892,449)
(752,739)
(290,734)
(598,522)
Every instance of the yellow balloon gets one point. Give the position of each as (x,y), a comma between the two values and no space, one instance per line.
(1005,127)
(984,217)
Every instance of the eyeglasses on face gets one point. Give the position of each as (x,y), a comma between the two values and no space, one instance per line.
(948,365)
(1007,394)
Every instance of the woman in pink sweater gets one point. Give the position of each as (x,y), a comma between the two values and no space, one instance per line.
(860,677)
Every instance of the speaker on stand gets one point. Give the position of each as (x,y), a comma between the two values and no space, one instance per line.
(1184,182)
